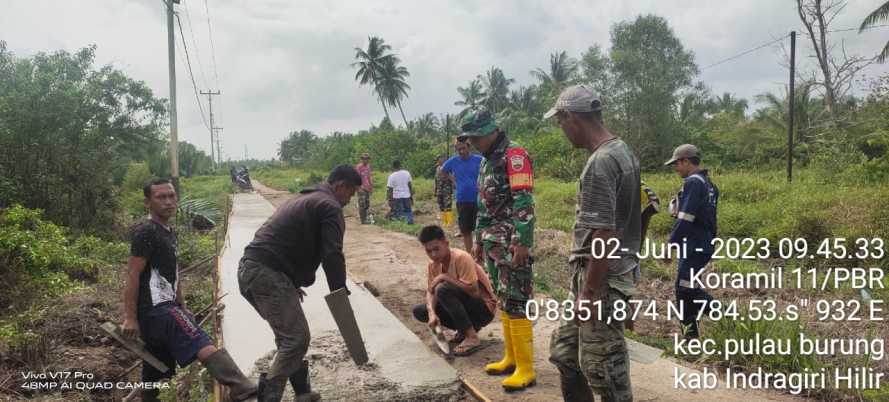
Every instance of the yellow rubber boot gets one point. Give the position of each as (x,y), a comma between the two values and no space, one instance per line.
(523,347)
(507,364)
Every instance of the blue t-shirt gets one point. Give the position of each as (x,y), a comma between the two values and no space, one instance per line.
(466,172)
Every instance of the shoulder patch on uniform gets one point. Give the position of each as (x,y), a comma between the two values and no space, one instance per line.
(518,168)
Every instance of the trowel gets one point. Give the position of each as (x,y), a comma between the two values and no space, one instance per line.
(439,337)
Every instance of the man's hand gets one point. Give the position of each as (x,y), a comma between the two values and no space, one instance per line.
(130,328)
(301,293)
(477,252)
(437,281)
(519,255)
(433,320)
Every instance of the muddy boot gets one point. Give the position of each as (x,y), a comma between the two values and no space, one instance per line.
(302,387)
(150,395)
(223,369)
(270,390)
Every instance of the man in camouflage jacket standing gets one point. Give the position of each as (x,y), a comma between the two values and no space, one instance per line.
(505,234)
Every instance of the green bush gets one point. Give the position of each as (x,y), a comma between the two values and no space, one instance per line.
(39,260)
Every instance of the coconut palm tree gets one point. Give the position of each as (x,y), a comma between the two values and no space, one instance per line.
(393,81)
(472,95)
(561,72)
(775,112)
(496,89)
(730,104)
(371,63)
(879,15)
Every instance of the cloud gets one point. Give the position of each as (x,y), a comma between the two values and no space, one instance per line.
(285,65)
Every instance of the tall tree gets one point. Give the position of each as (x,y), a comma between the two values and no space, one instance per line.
(496,89)
(728,103)
(393,81)
(371,64)
(881,14)
(561,72)
(774,114)
(650,67)
(837,70)
(473,95)
(296,148)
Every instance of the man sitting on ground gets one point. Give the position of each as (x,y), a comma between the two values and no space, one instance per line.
(459,295)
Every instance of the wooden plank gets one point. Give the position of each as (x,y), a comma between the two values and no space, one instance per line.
(344,316)
(475,392)
(134,345)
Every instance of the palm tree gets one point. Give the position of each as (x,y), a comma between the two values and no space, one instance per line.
(472,95)
(561,71)
(426,125)
(775,112)
(394,84)
(730,104)
(879,15)
(496,89)
(371,63)
(525,100)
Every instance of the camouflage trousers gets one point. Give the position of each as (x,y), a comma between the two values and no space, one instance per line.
(594,352)
(445,201)
(363,204)
(513,285)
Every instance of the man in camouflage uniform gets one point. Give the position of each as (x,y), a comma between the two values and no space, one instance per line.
(589,349)
(444,192)
(505,234)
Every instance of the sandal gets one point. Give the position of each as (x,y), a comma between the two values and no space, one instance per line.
(464,350)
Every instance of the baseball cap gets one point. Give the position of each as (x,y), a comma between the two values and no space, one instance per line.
(684,151)
(365,156)
(576,98)
(477,123)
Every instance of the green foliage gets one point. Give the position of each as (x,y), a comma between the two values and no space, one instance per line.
(39,260)
(64,155)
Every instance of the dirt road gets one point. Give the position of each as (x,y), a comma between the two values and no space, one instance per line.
(394,265)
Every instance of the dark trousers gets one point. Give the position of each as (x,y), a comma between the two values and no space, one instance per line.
(276,299)
(685,294)
(456,309)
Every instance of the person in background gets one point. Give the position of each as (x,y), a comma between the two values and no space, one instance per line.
(464,168)
(367,187)
(400,193)
(694,209)
(444,192)
(651,205)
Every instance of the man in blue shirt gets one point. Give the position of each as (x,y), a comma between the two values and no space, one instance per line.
(464,168)
(694,209)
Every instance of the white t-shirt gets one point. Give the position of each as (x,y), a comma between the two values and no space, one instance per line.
(399,181)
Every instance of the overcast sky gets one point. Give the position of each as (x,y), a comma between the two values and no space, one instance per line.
(285,64)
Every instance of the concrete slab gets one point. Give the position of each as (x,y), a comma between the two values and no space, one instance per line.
(398,356)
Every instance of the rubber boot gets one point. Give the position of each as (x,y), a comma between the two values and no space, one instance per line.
(302,387)
(223,369)
(523,349)
(507,364)
(270,391)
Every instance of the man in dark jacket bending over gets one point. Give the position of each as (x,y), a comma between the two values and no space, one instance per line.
(282,259)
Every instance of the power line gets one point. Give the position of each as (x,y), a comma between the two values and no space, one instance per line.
(743,53)
(194,41)
(212,46)
(190,73)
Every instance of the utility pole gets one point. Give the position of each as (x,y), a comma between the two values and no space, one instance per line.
(216,131)
(791,108)
(214,145)
(174,133)
(245,152)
